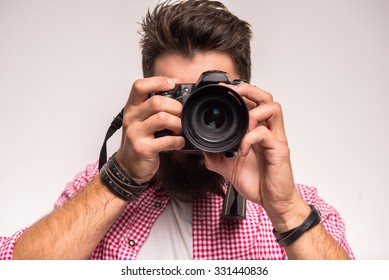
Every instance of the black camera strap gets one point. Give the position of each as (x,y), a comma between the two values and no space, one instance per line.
(116,124)
(234,205)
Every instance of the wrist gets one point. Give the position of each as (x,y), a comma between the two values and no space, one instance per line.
(119,158)
(286,238)
(291,218)
(116,179)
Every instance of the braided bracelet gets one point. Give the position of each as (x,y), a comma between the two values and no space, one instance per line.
(288,237)
(118,182)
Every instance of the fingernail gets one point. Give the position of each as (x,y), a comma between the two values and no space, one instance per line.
(171,81)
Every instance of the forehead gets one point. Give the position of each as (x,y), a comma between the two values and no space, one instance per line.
(186,69)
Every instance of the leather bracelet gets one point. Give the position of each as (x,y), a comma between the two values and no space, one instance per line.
(119,171)
(113,187)
(122,179)
(118,182)
(288,237)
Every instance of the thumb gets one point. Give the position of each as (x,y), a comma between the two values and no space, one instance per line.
(214,162)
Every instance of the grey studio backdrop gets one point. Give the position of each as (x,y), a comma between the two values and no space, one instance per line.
(66,68)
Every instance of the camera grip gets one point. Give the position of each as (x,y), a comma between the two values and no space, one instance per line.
(162,133)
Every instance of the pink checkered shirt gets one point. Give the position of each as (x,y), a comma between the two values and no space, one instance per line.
(213,237)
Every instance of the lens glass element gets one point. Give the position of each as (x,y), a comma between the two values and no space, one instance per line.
(214,117)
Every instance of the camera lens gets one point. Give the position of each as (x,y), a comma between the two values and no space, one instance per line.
(214,119)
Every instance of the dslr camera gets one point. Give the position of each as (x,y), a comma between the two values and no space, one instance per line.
(214,117)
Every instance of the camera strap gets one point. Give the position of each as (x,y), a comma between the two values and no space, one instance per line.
(116,124)
(234,205)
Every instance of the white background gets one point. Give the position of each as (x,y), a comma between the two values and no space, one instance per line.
(190,270)
(66,68)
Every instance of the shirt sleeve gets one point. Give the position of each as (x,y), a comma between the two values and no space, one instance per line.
(80,181)
(7,244)
(330,218)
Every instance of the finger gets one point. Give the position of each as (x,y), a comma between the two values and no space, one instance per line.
(269,115)
(167,143)
(250,104)
(214,162)
(142,87)
(261,136)
(150,148)
(252,93)
(158,103)
(160,121)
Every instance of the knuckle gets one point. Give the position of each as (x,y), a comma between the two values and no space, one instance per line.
(138,147)
(128,117)
(138,84)
(153,101)
(156,102)
(262,130)
(277,107)
(126,123)
(162,116)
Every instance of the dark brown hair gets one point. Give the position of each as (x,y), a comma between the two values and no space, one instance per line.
(192,26)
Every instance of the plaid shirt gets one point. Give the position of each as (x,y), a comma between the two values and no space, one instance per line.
(213,237)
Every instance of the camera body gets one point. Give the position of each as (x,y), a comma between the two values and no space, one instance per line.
(214,117)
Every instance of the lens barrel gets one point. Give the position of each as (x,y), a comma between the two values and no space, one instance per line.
(214,119)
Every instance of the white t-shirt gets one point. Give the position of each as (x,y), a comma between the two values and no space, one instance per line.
(171,235)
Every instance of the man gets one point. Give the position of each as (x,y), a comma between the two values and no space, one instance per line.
(149,204)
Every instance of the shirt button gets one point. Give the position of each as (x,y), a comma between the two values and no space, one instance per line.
(157,205)
(131,242)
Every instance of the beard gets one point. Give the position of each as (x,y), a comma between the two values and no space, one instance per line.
(184,175)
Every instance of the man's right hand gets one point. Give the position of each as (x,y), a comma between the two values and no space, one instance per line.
(143,116)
